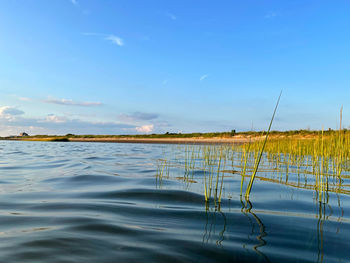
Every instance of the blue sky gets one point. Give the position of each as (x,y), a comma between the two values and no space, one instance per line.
(135,66)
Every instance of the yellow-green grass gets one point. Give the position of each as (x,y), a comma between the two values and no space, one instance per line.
(320,163)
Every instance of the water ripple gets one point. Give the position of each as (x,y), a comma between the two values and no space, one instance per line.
(98,202)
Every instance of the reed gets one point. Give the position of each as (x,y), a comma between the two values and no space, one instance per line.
(249,187)
(320,163)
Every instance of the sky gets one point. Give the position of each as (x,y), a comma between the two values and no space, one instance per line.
(155,66)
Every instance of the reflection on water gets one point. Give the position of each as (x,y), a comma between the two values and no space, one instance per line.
(74,202)
(321,219)
(214,219)
(247,210)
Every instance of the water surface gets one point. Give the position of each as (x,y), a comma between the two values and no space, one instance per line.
(102,202)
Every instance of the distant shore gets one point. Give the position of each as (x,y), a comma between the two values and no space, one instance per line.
(234,140)
(178,138)
(198,140)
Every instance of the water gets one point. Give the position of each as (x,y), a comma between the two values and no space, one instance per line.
(102,202)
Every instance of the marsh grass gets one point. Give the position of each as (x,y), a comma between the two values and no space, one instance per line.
(320,164)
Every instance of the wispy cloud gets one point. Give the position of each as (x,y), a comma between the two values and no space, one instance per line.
(145,128)
(55,119)
(203,77)
(115,40)
(24,99)
(138,116)
(171,16)
(21,98)
(74,2)
(109,37)
(72,103)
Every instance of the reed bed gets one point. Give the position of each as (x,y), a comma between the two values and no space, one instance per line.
(320,163)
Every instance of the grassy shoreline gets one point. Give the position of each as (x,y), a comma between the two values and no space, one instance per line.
(192,140)
(211,138)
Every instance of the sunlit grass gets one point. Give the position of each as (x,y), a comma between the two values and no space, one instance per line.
(320,163)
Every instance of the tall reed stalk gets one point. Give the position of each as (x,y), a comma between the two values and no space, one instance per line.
(249,187)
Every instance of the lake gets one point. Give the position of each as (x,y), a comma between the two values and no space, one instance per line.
(105,202)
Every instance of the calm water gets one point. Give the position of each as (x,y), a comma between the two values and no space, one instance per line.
(102,202)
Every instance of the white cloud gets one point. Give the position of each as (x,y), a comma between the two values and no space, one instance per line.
(54,124)
(8,111)
(109,37)
(13,121)
(70,102)
(115,40)
(171,16)
(55,119)
(145,128)
(203,77)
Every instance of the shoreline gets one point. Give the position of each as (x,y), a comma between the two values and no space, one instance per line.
(194,140)
(238,139)
(165,140)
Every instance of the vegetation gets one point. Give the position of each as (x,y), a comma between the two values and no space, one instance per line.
(249,188)
(326,156)
(321,164)
(305,134)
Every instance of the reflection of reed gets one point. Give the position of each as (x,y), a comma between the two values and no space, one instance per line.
(320,221)
(342,214)
(247,210)
(210,225)
(221,234)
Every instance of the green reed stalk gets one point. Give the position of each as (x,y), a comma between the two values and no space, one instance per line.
(246,156)
(222,182)
(205,187)
(321,170)
(218,174)
(249,188)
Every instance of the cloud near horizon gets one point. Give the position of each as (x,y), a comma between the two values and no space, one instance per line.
(10,111)
(70,102)
(145,128)
(12,122)
(55,119)
(138,116)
